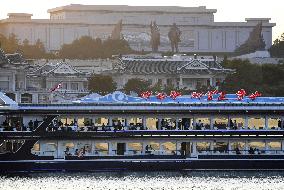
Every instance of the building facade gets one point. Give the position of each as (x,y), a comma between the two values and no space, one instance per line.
(199,31)
(179,71)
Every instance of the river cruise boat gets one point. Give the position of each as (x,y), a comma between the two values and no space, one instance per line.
(121,132)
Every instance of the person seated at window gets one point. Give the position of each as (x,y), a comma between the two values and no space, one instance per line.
(148,149)
(103,127)
(72,123)
(30,124)
(251,150)
(76,153)
(67,153)
(36,123)
(279,124)
(235,125)
(199,125)
(60,124)
(238,150)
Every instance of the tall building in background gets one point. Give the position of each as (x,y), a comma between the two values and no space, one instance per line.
(199,31)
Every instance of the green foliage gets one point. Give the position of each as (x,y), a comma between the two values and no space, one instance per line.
(266,78)
(136,85)
(89,48)
(157,87)
(101,84)
(277,49)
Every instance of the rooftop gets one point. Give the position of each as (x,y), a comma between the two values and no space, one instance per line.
(126,8)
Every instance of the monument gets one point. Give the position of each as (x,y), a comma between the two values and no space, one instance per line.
(155,37)
(174,37)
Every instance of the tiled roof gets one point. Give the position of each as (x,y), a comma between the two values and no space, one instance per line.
(167,66)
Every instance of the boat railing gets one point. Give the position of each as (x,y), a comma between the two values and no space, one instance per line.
(241,152)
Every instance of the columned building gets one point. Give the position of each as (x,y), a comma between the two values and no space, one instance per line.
(199,31)
(178,71)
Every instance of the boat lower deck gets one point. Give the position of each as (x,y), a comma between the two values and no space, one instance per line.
(141,165)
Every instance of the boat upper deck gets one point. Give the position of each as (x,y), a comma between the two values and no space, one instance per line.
(119,102)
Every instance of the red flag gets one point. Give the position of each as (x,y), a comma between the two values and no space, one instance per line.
(174,94)
(146,95)
(196,95)
(241,94)
(161,95)
(56,87)
(222,96)
(253,96)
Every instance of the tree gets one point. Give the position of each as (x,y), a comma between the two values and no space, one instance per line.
(277,49)
(267,78)
(136,85)
(102,84)
(89,48)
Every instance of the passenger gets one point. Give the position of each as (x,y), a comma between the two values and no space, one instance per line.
(238,150)
(36,123)
(76,152)
(231,124)
(251,150)
(67,153)
(30,124)
(199,125)
(235,125)
(279,124)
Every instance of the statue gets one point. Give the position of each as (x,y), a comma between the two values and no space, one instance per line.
(254,42)
(116,32)
(155,36)
(174,37)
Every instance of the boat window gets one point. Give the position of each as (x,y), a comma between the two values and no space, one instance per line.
(202,147)
(274,145)
(256,123)
(220,147)
(135,148)
(220,123)
(152,123)
(256,145)
(202,123)
(274,123)
(169,148)
(237,123)
(101,148)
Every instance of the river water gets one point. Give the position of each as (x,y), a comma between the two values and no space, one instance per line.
(201,180)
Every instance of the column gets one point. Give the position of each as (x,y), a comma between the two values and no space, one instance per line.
(246,122)
(194,153)
(34,98)
(110,121)
(159,123)
(246,147)
(282,146)
(110,152)
(180,82)
(194,122)
(176,123)
(211,122)
(211,81)
(161,149)
(125,124)
(266,147)
(229,147)
(143,147)
(211,147)
(144,122)
(266,122)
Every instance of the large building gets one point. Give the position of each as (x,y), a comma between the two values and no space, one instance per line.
(200,33)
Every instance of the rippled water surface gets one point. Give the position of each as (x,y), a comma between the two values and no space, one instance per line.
(202,180)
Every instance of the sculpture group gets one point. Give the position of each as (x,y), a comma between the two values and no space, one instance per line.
(174,35)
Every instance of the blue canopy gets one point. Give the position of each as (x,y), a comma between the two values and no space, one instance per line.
(119,97)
